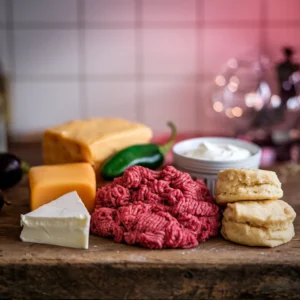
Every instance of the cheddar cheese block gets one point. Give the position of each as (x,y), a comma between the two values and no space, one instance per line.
(48,183)
(92,140)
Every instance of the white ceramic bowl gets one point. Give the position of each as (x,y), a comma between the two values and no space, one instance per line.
(208,170)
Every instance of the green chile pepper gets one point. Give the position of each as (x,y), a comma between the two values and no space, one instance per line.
(147,155)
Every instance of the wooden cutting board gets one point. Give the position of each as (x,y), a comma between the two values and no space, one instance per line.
(217,269)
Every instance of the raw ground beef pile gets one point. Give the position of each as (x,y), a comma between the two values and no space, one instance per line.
(166,209)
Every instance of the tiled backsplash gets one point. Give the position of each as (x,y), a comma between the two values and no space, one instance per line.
(145,60)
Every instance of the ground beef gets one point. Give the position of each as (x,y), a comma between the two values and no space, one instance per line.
(166,209)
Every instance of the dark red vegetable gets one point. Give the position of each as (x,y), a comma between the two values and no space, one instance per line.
(12,169)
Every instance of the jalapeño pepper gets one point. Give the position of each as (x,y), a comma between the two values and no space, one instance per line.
(147,155)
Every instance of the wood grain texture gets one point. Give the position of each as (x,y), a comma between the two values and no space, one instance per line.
(217,269)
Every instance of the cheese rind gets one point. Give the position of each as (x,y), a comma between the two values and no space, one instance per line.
(92,140)
(62,222)
(47,183)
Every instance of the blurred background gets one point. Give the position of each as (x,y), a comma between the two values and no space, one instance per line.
(214,67)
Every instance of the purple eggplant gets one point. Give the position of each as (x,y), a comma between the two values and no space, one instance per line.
(12,169)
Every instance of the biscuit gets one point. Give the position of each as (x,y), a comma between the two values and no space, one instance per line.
(247,184)
(249,176)
(256,236)
(258,223)
(272,214)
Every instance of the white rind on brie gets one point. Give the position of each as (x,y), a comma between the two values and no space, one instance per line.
(62,222)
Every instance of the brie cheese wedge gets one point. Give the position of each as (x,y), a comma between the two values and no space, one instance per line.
(62,222)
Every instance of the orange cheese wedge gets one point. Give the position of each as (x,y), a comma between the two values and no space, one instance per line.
(48,183)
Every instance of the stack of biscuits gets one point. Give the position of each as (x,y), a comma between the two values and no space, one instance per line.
(253,215)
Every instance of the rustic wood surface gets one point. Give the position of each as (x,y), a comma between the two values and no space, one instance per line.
(217,269)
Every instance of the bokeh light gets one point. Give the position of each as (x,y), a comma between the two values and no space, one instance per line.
(275,101)
(218,106)
(220,80)
(229,113)
(250,99)
(237,112)
(293,103)
(232,86)
(232,63)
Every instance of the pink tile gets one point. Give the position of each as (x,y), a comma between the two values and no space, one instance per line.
(203,105)
(110,51)
(280,37)
(169,101)
(232,10)
(169,51)
(111,99)
(45,11)
(46,52)
(223,44)
(109,11)
(169,10)
(287,10)
(35,106)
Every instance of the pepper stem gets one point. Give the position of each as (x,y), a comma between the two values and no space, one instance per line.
(25,167)
(164,149)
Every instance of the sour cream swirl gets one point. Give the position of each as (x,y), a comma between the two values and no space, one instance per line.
(222,152)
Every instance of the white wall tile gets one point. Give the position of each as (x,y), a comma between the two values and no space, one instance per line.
(169,51)
(287,10)
(169,10)
(45,11)
(109,11)
(169,101)
(39,105)
(223,44)
(46,52)
(232,10)
(2,11)
(111,99)
(277,38)
(4,57)
(110,51)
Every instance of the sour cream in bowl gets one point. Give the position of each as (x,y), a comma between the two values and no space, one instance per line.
(205,157)
(214,151)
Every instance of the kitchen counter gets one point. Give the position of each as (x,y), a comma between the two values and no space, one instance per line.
(216,269)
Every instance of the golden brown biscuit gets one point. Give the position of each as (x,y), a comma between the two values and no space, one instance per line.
(247,184)
(258,223)
(275,214)
(249,176)
(256,236)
